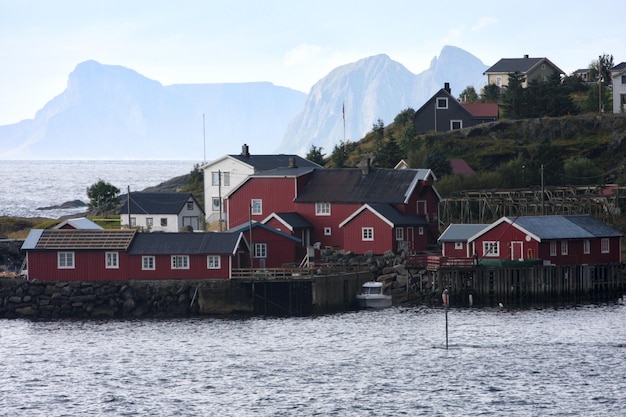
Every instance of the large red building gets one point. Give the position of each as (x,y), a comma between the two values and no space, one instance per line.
(353,209)
(121,255)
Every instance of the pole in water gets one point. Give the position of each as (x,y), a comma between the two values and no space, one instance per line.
(446,301)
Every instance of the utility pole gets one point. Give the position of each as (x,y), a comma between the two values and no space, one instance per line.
(542,193)
(128,204)
(219,194)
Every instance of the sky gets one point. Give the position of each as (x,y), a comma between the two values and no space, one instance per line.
(289,43)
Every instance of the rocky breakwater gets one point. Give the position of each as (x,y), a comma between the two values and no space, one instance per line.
(43,300)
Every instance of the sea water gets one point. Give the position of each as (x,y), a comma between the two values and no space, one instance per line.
(393,362)
(26,186)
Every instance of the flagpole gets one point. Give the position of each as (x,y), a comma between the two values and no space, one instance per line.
(343,115)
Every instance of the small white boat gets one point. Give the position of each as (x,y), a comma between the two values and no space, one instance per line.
(372,296)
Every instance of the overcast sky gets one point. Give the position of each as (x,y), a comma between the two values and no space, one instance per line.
(290,43)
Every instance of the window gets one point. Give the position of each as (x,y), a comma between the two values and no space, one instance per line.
(553,248)
(586,247)
(257,206)
(65,260)
(456,124)
(133,222)
(499,81)
(399,233)
(564,247)
(605,246)
(491,249)
(149,221)
(322,209)
(260,250)
(420,230)
(367,233)
(213,262)
(226,178)
(163,221)
(623,79)
(180,262)
(327,231)
(215,204)
(215,178)
(189,205)
(112,260)
(458,245)
(147,263)
(442,102)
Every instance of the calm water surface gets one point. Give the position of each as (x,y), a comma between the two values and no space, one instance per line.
(550,362)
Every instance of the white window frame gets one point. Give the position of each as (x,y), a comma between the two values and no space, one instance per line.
(148,263)
(163,221)
(367,234)
(215,178)
(149,221)
(420,230)
(458,245)
(400,233)
(491,248)
(180,261)
(322,209)
(441,100)
(213,262)
(586,247)
(605,245)
(133,222)
(214,206)
(256,205)
(260,250)
(460,122)
(66,260)
(564,247)
(553,248)
(112,260)
(499,81)
(328,231)
(226,179)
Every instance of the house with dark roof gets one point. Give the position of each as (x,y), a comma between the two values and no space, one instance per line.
(618,78)
(539,69)
(161,212)
(552,240)
(77,223)
(443,112)
(121,255)
(336,207)
(454,240)
(270,247)
(228,172)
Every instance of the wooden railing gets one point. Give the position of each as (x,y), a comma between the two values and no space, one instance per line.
(271,273)
(433,262)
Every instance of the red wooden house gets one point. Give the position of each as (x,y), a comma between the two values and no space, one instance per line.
(555,240)
(270,247)
(331,201)
(454,240)
(120,255)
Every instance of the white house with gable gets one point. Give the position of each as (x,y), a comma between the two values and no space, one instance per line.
(226,173)
(618,77)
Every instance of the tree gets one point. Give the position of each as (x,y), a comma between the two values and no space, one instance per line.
(436,161)
(600,69)
(103,197)
(388,155)
(315,155)
(513,97)
(340,154)
(468,95)
(581,171)
(490,94)
(378,129)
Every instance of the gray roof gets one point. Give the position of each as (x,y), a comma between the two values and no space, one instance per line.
(246,226)
(398,218)
(619,67)
(184,243)
(284,172)
(293,219)
(79,223)
(156,203)
(461,232)
(352,185)
(565,227)
(522,65)
(265,162)
(75,239)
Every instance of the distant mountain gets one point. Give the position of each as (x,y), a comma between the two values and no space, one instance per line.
(112,112)
(371,89)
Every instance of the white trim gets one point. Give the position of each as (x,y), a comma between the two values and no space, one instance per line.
(366,207)
(68,256)
(367,234)
(216,264)
(152,262)
(174,261)
(111,260)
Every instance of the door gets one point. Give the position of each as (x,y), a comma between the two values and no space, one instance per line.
(517,253)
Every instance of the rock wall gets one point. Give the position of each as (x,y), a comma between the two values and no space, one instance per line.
(44,300)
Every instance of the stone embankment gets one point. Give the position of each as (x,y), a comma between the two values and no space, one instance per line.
(43,300)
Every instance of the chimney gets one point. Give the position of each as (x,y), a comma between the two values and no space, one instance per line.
(292,162)
(245,152)
(526,56)
(446,86)
(365,167)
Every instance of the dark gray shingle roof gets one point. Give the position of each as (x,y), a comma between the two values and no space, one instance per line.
(184,243)
(155,203)
(565,227)
(265,162)
(461,232)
